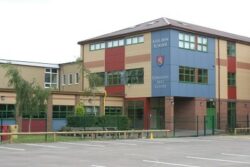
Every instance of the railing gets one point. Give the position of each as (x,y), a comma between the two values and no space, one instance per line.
(242,131)
(94,134)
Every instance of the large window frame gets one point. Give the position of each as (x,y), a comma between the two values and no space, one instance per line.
(231,79)
(114,78)
(113,110)
(51,78)
(186,74)
(62,111)
(7,111)
(135,76)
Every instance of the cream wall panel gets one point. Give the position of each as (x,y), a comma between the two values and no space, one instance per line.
(63,100)
(243,84)
(29,73)
(140,90)
(243,53)
(223,49)
(114,101)
(89,56)
(223,82)
(139,49)
(90,101)
(8,98)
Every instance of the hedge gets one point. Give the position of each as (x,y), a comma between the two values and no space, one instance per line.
(121,122)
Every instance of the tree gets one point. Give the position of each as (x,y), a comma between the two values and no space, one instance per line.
(79,110)
(30,97)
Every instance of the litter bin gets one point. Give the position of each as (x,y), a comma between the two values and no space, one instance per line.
(13,129)
(4,130)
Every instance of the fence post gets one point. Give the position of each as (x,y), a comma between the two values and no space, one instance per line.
(46,128)
(197,125)
(247,120)
(205,128)
(174,127)
(213,122)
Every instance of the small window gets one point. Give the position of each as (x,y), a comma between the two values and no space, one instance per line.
(135,40)
(115,43)
(92,47)
(231,49)
(97,46)
(110,44)
(64,79)
(103,45)
(121,42)
(231,79)
(141,39)
(70,79)
(77,78)
(128,41)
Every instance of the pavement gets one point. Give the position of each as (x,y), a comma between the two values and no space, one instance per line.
(208,151)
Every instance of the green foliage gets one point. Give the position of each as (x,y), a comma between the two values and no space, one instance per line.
(121,122)
(30,97)
(79,110)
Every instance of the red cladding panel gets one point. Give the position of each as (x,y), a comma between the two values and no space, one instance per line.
(37,125)
(117,90)
(231,92)
(231,64)
(114,59)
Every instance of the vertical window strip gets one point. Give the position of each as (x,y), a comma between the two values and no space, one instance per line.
(192,42)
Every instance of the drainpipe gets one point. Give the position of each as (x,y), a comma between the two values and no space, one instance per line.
(219,107)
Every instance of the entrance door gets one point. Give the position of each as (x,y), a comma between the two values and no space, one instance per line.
(157,113)
(211,115)
(135,114)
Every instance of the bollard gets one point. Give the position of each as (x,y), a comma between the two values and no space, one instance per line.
(151,135)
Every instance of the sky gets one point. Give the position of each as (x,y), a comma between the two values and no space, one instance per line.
(48,30)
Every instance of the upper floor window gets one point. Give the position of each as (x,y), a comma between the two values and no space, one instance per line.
(193,75)
(135,76)
(114,78)
(70,79)
(134,40)
(77,78)
(231,79)
(97,46)
(64,79)
(97,79)
(231,49)
(51,77)
(202,76)
(192,42)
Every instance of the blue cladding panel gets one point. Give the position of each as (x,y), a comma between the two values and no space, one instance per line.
(8,121)
(165,74)
(58,124)
(184,57)
(160,61)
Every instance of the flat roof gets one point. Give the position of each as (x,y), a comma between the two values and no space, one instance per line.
(164,23)
(27,63)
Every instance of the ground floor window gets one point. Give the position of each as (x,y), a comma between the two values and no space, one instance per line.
(7,111)
(135,111)
(110,110)
(62,111)
(92,110)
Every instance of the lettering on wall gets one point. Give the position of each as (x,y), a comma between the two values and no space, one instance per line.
(160,43)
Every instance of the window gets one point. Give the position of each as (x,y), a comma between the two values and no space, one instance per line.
(77,78)
(64,79)
(186,74)
(192,42)
(135,76)
(231,49)
(202,76)
(114,78)
(97,46)
(7,111)
(62,111)
(128,41)
(92,110)
(186,41)
(231,115)
(135,40)
(202,44)
(70,79)
(97,79)
(50,79)
(231,79)
(109,110)
(193,75)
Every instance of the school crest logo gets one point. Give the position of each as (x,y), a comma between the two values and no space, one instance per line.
(160,60)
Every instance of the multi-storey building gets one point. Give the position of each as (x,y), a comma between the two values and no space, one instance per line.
(158,73)
(167,70)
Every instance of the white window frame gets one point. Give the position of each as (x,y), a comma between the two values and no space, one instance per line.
(77,78)
(70,83)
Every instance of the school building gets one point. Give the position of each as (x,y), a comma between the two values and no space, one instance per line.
(157,73)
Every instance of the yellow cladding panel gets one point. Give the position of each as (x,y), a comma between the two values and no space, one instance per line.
(64,100)
(242,83)
(139,49)
(223,49)
(90,56)
(7,98)
(223,83)
(29,73)
(243,53)
(140,90)
(114,101)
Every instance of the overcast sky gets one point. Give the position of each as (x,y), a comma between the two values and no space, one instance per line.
(48,30)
